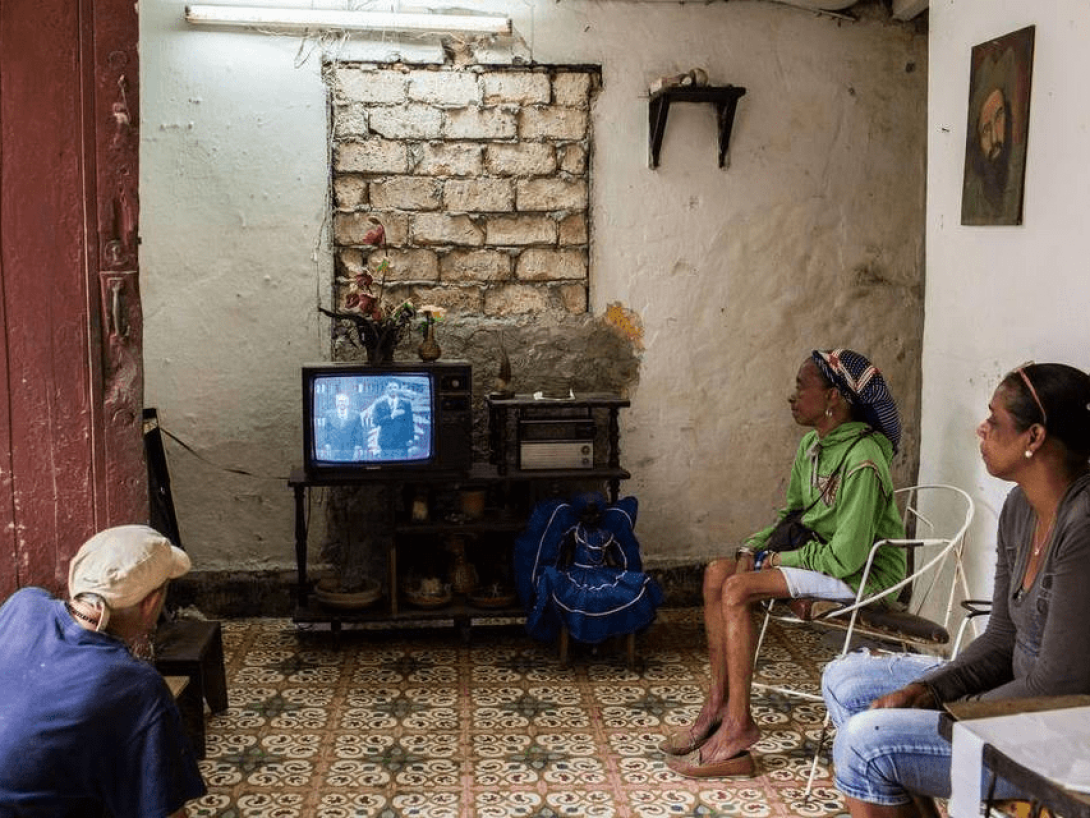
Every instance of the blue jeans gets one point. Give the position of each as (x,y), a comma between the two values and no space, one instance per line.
(881,756)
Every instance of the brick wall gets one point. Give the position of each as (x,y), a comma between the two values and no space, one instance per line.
(481,177)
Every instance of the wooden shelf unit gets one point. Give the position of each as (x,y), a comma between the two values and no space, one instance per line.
(512,492)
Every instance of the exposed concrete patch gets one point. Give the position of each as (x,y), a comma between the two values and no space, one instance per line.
(547,351)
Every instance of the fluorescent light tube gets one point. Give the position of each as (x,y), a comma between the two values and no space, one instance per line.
(286,19)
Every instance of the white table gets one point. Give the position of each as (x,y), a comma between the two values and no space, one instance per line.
(1045,753)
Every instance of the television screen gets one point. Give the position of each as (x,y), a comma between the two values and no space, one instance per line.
(406,417)
(372,417)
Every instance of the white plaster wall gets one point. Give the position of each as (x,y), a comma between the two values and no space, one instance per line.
(812,237)
(737,274)
(999,296)
(233,186)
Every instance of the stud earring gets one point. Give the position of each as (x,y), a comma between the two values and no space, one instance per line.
(1029,454)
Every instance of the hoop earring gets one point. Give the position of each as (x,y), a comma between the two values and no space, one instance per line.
(828,412)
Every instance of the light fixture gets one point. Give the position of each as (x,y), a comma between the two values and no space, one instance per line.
(287,19)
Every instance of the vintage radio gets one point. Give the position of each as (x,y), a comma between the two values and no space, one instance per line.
(556,443)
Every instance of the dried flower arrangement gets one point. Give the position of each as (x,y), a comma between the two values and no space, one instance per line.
(378,323)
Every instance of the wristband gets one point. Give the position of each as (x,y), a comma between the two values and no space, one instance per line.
(759,560)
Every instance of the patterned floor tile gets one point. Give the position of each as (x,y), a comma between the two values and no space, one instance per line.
(428,726)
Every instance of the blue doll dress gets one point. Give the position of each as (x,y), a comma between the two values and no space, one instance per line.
(578,565)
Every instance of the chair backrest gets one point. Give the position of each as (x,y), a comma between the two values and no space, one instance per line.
(938,517)
(938,512)
(974,609)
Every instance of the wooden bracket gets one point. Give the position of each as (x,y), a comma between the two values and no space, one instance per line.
(725,98)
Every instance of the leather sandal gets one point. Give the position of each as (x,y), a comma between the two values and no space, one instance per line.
(690,766)
(684,741)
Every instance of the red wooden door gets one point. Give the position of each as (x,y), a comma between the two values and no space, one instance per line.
(71,456)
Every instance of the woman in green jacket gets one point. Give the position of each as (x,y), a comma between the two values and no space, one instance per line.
(840,482)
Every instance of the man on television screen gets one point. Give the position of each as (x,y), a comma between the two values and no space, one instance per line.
(393,415)
(342,434)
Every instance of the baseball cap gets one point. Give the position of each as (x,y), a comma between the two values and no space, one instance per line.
(124,564)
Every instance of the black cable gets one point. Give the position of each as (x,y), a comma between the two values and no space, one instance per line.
(204,459)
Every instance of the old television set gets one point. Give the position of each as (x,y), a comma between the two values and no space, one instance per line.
(387,419)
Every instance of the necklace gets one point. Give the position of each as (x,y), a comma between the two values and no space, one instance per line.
(1039,541)
(80,614)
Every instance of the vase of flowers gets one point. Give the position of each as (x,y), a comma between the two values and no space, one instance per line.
(376,323)
(382,350)
(429,349)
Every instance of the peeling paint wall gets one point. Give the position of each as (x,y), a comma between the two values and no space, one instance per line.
(707,286)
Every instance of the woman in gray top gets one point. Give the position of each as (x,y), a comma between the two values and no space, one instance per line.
(888,755)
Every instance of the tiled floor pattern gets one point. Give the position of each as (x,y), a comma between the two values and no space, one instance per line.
(388,725)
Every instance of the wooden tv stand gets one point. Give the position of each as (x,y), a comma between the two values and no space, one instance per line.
(511,492)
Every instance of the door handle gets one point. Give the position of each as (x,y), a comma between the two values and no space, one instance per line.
(117,326)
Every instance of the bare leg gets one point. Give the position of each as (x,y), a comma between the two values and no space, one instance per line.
(715,577)
(738,731)
(861,809)
(683,741)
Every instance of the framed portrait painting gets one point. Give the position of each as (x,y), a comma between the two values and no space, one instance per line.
(997,129)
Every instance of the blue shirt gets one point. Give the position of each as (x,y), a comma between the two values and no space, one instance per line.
(86,729)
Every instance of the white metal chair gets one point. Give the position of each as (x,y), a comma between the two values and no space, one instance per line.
(937,517)
(974,608)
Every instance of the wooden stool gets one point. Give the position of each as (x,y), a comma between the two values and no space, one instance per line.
(177,685)
(194,648)
(565,640)
(191,708)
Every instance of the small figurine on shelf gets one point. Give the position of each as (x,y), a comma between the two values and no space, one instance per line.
(473,502)
(420,508)
(695,78)
(503,377)
(430,592)
(463,576)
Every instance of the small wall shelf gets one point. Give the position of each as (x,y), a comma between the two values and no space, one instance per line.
(725,98)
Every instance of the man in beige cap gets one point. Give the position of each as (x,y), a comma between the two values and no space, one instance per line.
(87,727)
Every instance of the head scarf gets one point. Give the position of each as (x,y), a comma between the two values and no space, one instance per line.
(863,386)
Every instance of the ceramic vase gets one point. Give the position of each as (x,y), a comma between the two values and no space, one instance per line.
(429,349)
